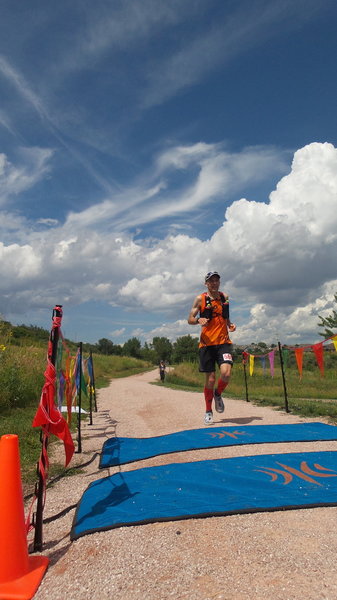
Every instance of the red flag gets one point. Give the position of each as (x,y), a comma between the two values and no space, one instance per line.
(318,350)
(49,417)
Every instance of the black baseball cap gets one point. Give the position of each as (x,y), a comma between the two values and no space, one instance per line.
(210,274)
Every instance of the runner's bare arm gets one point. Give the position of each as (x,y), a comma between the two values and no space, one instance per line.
(193,318)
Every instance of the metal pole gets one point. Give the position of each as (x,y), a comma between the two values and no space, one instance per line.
(93,381)
(90,391)
(79,438)
(246,382)
(40,485)
(283,379)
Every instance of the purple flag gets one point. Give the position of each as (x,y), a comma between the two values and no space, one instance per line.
(271,357)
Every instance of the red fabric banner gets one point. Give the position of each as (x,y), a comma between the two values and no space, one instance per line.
(49,417)
(245,357)
(318,350)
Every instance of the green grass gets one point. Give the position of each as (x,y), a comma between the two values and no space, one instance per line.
(21,376)
(313,396)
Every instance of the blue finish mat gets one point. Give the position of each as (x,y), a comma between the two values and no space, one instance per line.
(208,488)
(119,451)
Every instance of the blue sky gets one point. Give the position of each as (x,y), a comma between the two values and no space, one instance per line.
(144,143)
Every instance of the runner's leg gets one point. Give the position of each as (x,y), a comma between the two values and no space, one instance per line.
(208,390)
(225,374)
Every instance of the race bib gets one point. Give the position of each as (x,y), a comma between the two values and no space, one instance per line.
(227,357)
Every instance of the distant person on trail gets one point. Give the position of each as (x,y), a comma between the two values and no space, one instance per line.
(211,311)
(162,369)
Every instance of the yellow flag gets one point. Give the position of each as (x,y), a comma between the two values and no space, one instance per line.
(334,339)
(251,364)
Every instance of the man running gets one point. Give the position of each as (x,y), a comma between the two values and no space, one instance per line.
(211,311)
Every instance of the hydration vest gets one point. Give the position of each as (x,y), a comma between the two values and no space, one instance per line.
(206,309)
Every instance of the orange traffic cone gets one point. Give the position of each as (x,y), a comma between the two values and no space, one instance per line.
(20,574)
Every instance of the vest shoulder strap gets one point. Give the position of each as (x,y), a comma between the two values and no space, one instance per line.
(225,305)
(206,301)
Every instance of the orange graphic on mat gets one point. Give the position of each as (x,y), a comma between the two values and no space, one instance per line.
(232,434)
(305,472)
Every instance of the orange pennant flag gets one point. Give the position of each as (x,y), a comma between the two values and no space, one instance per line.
(299,360)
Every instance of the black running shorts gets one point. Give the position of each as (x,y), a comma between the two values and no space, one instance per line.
(209,356)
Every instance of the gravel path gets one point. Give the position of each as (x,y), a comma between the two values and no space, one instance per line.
(288,555)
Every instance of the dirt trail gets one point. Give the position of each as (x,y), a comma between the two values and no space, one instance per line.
(287,555)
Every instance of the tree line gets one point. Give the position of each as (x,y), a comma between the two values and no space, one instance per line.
(184,349)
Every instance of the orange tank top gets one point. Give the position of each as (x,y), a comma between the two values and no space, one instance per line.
(216,331)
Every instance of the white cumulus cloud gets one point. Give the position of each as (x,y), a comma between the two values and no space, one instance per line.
(276,257)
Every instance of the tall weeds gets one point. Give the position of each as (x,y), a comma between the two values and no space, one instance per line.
(21,376)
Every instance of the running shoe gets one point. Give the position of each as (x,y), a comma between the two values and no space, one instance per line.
(208,418)
(218,401)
